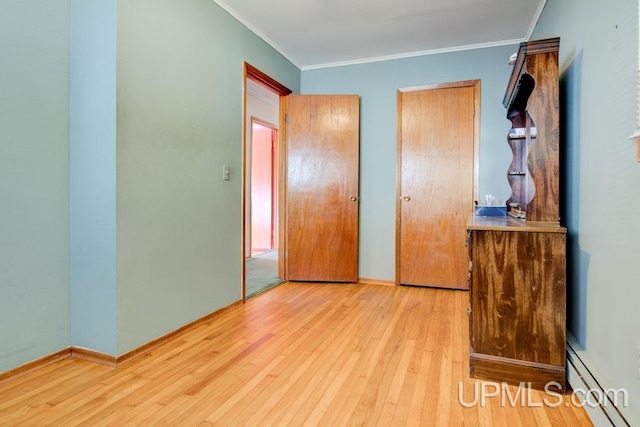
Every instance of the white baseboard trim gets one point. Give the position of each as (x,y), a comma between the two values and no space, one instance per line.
(582,379)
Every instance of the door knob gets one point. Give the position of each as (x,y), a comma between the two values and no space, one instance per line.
(353,198)
(406,198)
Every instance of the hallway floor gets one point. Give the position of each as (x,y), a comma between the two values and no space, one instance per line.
(261,273)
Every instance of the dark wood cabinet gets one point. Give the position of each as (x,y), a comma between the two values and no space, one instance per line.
(532,104)
(518,274)
(517,305)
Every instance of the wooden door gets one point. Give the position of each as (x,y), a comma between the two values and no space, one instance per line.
(322,167)
(437,153)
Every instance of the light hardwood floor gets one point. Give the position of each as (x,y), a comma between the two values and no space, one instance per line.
(299,354)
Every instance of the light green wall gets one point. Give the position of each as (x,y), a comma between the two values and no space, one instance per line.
(180,68)
(165,101)
(92,142)
(598,61)
(34,177)
(377,84)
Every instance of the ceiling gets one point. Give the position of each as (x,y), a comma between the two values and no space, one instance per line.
(321,33)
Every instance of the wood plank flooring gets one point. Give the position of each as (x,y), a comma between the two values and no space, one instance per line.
(302,355)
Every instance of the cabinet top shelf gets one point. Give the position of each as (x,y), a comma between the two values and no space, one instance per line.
(512,224)
(527,48)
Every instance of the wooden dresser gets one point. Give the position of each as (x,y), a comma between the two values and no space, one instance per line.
(517,281)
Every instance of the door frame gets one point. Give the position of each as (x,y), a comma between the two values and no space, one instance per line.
(475,84)
(252,73)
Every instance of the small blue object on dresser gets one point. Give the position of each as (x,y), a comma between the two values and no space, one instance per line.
(483,210)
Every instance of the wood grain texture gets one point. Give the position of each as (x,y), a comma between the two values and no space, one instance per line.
(518,285)
(258,76)
(367,281)
(537,188)
(94,356)
(35,364)
(141,350)
(436,139)
(519,175)
(299,354)
(515,372)
(544,155)
(518,298)
(322,187)
(282,192)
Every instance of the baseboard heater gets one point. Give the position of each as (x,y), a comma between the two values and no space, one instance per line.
(603,409)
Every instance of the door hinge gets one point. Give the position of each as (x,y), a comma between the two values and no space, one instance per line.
(286,118)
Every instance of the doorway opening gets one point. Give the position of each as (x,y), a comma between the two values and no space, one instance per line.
(262,261)
(263,204)
(261,265)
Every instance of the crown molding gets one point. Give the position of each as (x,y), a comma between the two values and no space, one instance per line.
(257,32)
(536,18)
(414,54)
